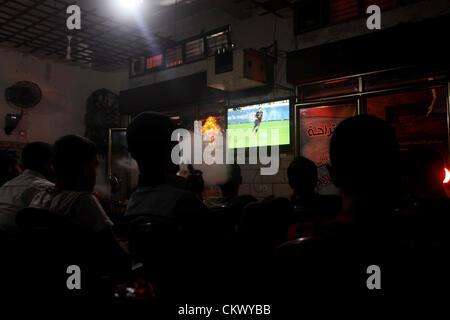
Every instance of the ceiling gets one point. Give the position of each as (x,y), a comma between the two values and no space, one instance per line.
(107,39)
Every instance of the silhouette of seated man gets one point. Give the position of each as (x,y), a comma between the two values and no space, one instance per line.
(364,157)
(75,164)
(309,206)
(17,193)
(166,221)
(161,195)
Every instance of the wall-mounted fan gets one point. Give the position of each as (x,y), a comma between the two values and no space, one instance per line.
(24,95)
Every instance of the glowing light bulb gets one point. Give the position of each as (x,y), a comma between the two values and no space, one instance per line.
(447,176)
(129,4)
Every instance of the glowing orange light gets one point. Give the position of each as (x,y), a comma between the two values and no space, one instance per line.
(447,176)
(211,129)
(210,125)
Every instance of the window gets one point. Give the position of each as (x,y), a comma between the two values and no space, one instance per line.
(184,51)
(154,61)
(174,56)
(217,42)
(329,88)
(419,117)
(399,77)
(195,50)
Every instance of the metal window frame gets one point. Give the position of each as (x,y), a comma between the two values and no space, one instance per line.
(361,96)
(182,44)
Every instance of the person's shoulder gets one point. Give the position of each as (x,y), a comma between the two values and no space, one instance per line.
(246,197)
(67,198)
(38,186)
(43,197)
(187,201)
(172,188)
(85,197)
(186,194)
(42,184)
(48,190)
(87,202)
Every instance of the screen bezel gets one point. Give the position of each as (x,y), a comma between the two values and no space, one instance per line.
(282,148)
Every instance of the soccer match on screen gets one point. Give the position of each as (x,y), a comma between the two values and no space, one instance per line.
(257,123)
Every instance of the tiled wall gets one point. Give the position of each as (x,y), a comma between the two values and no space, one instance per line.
(259,186)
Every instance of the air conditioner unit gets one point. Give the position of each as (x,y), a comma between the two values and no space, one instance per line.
(239,69)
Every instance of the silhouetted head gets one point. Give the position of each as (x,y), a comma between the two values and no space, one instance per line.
(37,156)
(302,175)
(195,182)
(75,163)
(364,158)
(234,179)
(8,166)
(425,172)
(149,142)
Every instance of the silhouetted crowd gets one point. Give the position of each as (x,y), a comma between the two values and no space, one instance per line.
(170,245)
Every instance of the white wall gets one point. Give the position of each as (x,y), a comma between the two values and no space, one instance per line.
(64,88)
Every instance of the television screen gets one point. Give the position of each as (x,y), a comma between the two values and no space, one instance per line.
(257,125)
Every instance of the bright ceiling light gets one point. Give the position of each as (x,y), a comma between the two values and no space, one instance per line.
(129,4)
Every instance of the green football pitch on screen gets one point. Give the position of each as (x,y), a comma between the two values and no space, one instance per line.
(243,136)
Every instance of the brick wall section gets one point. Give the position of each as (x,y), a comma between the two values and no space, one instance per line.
(259,186)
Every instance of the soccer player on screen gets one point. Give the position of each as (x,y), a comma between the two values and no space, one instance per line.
(258,118)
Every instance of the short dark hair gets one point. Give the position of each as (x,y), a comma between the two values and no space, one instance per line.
(71,155)
(364,154)
(302,175)
(149,136)
(37,156)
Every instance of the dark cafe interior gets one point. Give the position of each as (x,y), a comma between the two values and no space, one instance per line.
(224,159)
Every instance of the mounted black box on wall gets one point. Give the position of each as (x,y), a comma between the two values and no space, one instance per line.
(224,62)
(248,69)
(11,122)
